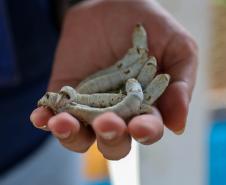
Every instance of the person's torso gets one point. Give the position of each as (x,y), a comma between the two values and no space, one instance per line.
(28,39)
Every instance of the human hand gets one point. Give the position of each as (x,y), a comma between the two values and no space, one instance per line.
(95,35)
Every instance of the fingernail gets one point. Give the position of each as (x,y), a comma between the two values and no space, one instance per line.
(143,139)
(108,135)
(43,127)
(64,135)
(180,132)
(32,119)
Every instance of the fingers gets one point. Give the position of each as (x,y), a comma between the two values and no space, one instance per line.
(66,128)
(71,133)
(174,110)
(111,131)
(40,117)
(112,138)
(146,129)
(180,62)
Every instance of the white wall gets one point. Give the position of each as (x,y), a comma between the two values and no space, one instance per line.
(182,160)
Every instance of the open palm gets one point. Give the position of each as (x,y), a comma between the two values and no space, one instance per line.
(95,35)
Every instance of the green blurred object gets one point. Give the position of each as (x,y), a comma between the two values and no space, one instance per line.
(220,2)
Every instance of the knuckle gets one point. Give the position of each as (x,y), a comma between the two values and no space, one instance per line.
(111,143)
(152,140)
(78,149)
(189,45)
(117,155)
(114,152)
(77,145)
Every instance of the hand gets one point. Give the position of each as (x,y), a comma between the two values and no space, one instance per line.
(95,35)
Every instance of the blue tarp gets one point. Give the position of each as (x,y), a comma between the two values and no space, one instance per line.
(103,182)
(217,163)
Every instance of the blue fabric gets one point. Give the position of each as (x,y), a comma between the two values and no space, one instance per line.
(7,60)
(18,137)
(34,37)
(218,153)
(28,38)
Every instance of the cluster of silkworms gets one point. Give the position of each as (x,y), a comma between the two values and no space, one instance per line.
(127,88)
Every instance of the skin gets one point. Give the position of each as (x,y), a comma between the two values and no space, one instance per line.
(156,88)
(97,33)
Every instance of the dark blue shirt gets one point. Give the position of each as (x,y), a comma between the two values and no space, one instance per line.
(28,38)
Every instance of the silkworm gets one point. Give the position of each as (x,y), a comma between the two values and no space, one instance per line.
(155,89)
(140,47)
(99,100)
(127,108)
(148,72)
(113,80)
(50,99)
(140,39)
(131,57)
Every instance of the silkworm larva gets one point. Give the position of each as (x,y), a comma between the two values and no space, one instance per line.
(140,39)
(69,94)
(50,99)
(127,108)
(113,80)
(148,72)
(131,57)
(100,100)
(155,89)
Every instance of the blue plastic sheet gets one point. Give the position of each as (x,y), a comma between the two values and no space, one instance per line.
(217,163)
(103,182)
